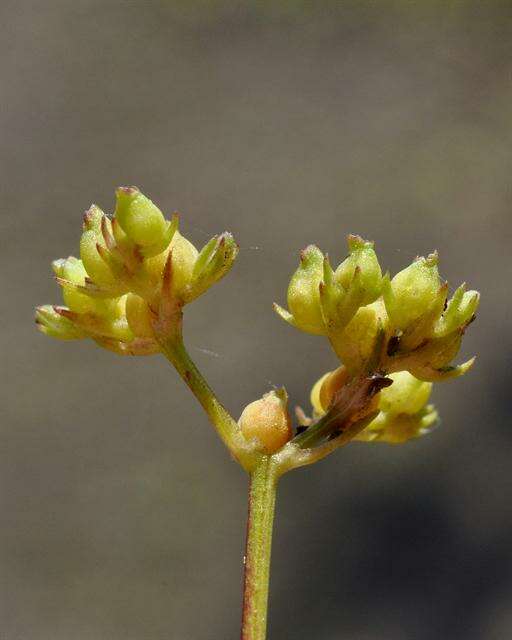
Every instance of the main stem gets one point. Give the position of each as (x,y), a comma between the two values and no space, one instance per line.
(262,499)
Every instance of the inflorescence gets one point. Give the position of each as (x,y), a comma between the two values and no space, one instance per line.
(394,337)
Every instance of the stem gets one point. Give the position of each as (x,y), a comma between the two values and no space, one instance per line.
(262,498)
(227,428)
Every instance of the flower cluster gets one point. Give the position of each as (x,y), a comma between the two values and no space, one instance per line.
(393,336)
(404,328)
(135,270)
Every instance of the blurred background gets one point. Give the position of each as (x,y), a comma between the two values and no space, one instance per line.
(286,123)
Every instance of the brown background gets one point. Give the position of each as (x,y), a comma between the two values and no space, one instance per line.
(286,123)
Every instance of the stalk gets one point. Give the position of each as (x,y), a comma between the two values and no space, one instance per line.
(227,428)
(262,498)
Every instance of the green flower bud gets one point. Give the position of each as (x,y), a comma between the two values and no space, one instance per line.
(109,322)
(71,269)
(356,283)
(184,256)
(397,429)
(404,413)
(459,312)
(407,394)
(267,421)
(213,262)
(423,328)
(96,267)
(304,294)
(411,292)
(51,323)
(140,219)
(325,389)
(358,345)
(72,276)
(93,219)
(138,316)
(431,361)
(362,257)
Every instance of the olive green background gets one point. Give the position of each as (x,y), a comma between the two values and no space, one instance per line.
(286,123)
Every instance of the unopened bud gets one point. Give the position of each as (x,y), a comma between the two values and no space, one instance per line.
(459,312)
(304,294)
(92,219)
(140,219)
(96,267)
(267,421)
(325,389)
(404,413)
(362,257)
(411,292)
(213,262)
(407,394)
(138,316)
(71,275)
(51,323)
(358,344)
(184,256)
(397,429)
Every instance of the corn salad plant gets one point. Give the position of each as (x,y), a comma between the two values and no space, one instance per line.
(394,338)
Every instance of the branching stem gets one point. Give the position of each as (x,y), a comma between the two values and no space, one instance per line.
(227,428)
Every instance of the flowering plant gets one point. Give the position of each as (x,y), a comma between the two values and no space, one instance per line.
(394,338)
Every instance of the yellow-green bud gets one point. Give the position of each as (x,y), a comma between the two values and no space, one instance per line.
(432,361)
(71,274)
(94,264)
(407,394)
(305,311)
(267,421)
(140,219)
(356,282)
(404,413)
(213,262)
(108,321)
(397,429)
(92,219)
(325,389)
(411,292)
(459,312)
(138,316)
(362,256)
(184,256)
(358,343)
(53,324)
